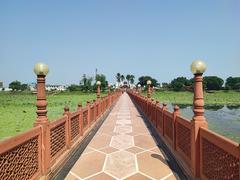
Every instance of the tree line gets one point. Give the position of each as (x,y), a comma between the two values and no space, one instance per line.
(129,77)
(185,84)
(209,83)
(87,83)
(18,86)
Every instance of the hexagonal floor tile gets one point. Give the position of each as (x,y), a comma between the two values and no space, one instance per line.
(122,141)
(144,141)
(89,164)
(120,164)
(108,150)
(100,141)
(153,165)
(137,176)
(101,176)
(134,150)
(123,122)
(123,117)
(127,113)
(122,129)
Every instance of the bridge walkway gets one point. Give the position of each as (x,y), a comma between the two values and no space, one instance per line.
(123,148)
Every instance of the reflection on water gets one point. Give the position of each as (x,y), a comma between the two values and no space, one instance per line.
(222,119)
(233,107)
(213,107)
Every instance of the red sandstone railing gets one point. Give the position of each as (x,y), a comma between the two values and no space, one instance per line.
(36,153)
(219,157)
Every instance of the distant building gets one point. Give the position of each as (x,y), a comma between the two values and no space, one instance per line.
(7,89)
(32,86)
(55,87)
(48,87)
(1,84)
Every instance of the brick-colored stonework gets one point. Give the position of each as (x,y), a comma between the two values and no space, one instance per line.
(127,147)
(200,152)
(40,151)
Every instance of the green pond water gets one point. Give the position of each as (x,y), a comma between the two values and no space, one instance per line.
(223,119)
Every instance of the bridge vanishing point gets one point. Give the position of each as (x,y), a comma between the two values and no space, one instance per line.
(123,135)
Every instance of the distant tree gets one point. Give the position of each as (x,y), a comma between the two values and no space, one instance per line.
(213,82)
(237,86)
(132,79)
(179,83)
(166,85)
(86,83)
(232,83)
(143,81)
(24,87)
(102,79)
(128,77)
(122,77)
(177,86)
(15,85)
(118,77)
(73,87)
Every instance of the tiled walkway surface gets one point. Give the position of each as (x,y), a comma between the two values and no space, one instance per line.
(122,149)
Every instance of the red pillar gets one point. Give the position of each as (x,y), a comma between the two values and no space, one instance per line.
(42,120)
(176,112)
(198,121)
(80,118)
(68,126)
(149,91)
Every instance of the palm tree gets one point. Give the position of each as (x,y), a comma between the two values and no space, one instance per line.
(122,77)
(128,77)
(132,79)
(118,77)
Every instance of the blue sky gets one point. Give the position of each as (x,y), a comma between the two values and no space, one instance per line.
(140,37)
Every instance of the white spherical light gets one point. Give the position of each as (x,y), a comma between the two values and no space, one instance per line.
(41,69)
(98,83)
(149,82)
(198,67)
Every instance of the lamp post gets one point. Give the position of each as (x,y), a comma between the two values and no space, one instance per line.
(198,68)
(41,70)
(109,88)
(139,88)
(149,82)
(98,89)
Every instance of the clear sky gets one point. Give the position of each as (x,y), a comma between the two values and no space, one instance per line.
(140,37)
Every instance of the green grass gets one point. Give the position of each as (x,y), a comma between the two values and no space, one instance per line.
(18,110)
(215,98)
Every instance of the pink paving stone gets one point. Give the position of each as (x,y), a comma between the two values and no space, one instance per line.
(120,164)
(122,148)
(123,129)
(122,141)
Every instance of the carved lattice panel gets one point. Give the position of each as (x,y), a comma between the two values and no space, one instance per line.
(74,126)
(97,110)
(183,135)
(168,127)
(217,163)
(20,162)
(92,114)
(107,103)
(159,119)
(85,119)
(57,140)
